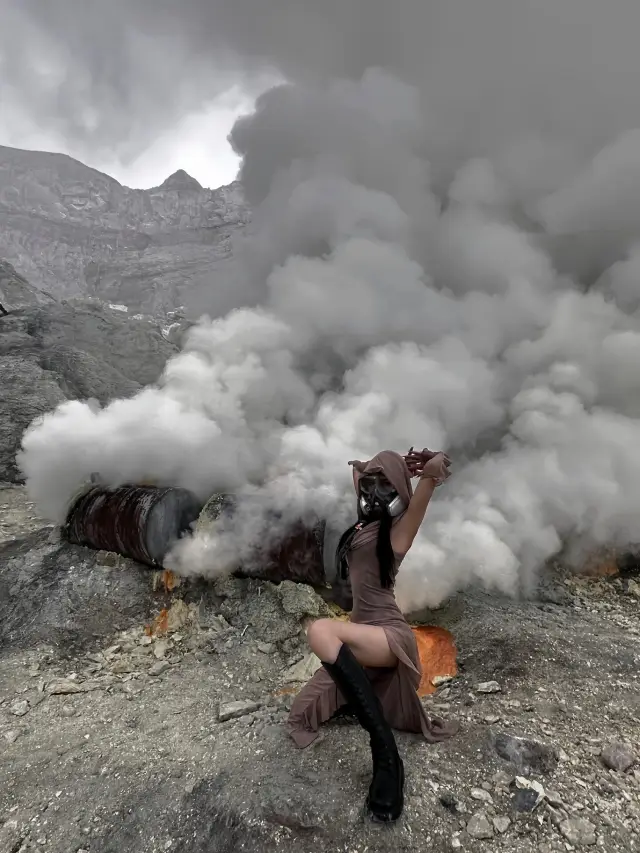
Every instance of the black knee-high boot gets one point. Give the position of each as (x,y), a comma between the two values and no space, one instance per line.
(386,793)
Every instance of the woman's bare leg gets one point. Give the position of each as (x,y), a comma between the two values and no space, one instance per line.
(368,643)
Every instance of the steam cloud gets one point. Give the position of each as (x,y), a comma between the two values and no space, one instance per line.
(445,251)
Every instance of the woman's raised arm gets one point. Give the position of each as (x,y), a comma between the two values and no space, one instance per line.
(433,472)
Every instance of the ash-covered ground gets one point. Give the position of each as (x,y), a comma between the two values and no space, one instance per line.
(126,728)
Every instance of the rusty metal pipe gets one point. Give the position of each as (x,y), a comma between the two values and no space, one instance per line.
(143,522)
(140,522)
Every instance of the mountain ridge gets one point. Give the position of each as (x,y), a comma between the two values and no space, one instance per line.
(74,231)
(181,181)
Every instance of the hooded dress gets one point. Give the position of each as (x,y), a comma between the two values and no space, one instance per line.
(396,687)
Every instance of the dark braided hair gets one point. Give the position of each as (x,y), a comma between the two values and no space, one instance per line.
(342,566)
(384,552)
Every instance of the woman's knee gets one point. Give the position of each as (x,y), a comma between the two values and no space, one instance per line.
(319,631)
(322,638)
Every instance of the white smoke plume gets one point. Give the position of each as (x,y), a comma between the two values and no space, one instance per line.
(481,300)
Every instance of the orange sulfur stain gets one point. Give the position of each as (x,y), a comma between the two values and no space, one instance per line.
(286,691)
(603,570)
(600,568)
(160,624)
(170,581)
(437,651)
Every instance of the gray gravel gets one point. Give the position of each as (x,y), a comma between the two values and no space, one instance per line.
(109,756)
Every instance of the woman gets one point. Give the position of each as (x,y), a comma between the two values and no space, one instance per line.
(371,663)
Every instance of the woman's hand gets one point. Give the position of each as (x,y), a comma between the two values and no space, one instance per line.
(428,464)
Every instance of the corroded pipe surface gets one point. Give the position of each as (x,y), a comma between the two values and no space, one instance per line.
(141,522)
(297,556)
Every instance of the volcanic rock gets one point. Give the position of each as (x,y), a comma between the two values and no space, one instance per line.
(17,292)
(234,710)
(526,756)
(618,756)
(479,827)
(578,831)
(53,353)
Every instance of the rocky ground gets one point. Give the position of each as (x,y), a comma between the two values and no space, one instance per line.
(139,716)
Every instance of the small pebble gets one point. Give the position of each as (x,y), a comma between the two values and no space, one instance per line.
(449,801)
(160,649)
(479,827)
(19,707)
(618,757)
(439,680)
(554,799)
(578,832)
(488,687)
(501,824)
(481,795)
(234,710)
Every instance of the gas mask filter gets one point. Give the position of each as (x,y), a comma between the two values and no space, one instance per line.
(377,497)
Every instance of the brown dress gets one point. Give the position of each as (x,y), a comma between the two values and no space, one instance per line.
(396,687)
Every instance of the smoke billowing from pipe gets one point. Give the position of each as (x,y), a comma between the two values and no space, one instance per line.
(445,259)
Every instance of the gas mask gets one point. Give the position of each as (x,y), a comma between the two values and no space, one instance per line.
(376,498)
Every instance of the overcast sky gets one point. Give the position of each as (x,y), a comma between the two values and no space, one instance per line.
(82,79)
(129,84)
(197,143)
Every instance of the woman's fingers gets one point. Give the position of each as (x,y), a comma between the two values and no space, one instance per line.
(430,462)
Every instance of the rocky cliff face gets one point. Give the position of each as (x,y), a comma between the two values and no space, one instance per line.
(62,351)
(73,231)
(80,255)
(16,291)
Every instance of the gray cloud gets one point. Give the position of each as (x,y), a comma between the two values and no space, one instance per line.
(489,71)
(107,78)
(443,252)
